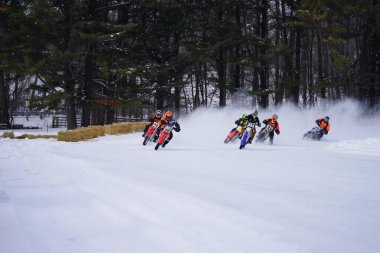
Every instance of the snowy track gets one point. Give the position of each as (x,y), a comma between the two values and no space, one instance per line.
(196,195)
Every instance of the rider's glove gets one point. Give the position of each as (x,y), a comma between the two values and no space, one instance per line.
(277,132)
(258,123)
(177,128)
(324,131)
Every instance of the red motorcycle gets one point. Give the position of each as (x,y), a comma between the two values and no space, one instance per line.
(152,131)
(164,136)
(234,134)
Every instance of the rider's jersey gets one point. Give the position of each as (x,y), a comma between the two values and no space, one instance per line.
(241,122)
(154,118)
(164,121)
(253,119)
(272,123)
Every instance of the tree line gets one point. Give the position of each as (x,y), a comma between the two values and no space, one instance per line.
(94,56)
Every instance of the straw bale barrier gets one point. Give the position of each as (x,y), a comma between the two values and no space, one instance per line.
(86,133)
(8,135)
(38,136)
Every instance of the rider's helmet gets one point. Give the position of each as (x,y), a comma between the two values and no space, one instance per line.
(158,113)
(244,117)
(168,115)
(327,118)
(255,113)
(274,117)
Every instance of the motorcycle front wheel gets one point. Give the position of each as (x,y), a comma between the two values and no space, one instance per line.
(260,138)
(146,140)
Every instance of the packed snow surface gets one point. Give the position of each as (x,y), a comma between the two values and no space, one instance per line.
(113,194)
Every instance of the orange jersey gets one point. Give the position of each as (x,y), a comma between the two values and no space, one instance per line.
(323,124)
(273,124)
(164,121)
(154,118)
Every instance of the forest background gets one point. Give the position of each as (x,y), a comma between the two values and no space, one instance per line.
(97,59)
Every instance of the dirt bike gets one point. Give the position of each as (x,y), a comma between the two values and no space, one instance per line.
(151,133)
(251,127)
(164,136)
(264,133)
(314,134)
(234,134)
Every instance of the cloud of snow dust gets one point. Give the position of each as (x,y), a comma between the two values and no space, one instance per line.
(211,126)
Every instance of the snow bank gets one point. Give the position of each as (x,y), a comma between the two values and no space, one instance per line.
(369,147)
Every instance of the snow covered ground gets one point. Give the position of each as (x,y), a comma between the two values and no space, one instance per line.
(197,194)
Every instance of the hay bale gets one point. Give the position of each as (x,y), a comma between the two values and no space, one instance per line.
(39,136)
(99,130)
(23,136)
(107,129)
(8,135)
(124,128)
(69,136)
(139,126)
(87,133)
(119,128)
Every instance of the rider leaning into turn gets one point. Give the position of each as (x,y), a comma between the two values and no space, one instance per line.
(276,127)
(154,118)
(324,125)
(254,119)
(243,122)
(169,119)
